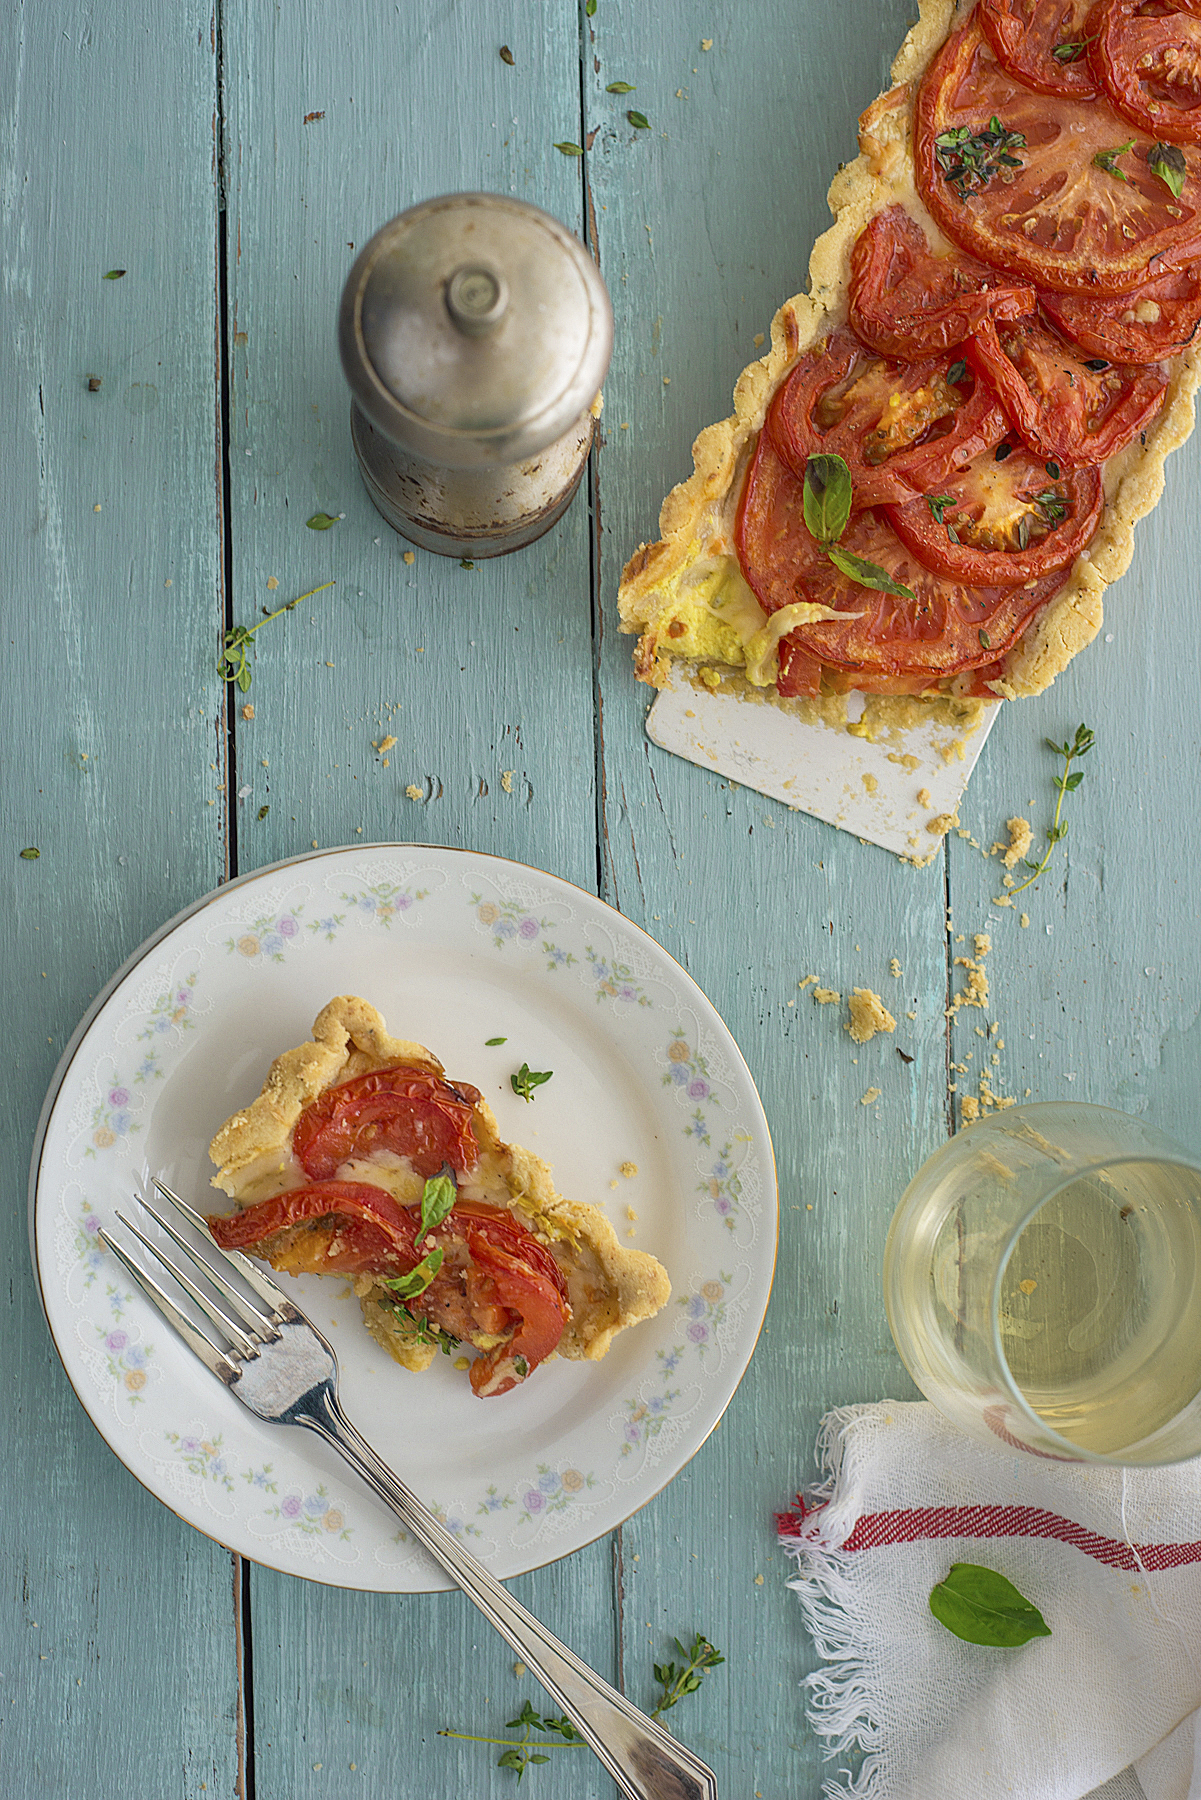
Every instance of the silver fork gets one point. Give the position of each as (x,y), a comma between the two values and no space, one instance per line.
(285,1372)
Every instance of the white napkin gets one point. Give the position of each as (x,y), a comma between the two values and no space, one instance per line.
(1112,1560)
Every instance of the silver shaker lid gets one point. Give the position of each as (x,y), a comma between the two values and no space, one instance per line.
(474,330)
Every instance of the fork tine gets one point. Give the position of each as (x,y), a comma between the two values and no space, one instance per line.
(262,1283)
(209,1354)
(261,1327)
(244,1344)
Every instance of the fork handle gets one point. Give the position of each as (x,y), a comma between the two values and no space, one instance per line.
(645,1761)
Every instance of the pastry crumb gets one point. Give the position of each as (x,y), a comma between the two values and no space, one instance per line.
(1024,920)
(807,980)
(868,1016)
(409,557)
(248,711)
(894,967)
(941,823)
(870,783)
(969,1109)
(272,582)
(870,1098)
(386,743)
(413,791)
(1020,836)
(827,996)
(631,1215)
(506,779)
(923,797)
(628,1169)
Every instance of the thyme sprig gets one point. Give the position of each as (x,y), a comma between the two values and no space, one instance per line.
(234,664)
(677,1682)
(559,1732)
(969,160)
(1108,159)
(526,1080)
(519,1754)
(1066,783)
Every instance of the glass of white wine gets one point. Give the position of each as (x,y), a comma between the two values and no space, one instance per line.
(1043,1283)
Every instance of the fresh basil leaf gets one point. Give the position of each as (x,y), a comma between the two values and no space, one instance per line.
(868,574)
(436,1201)
(828,495)
(407,1287)
(639,121)
(321,521)
(981,1607)
(1167,161)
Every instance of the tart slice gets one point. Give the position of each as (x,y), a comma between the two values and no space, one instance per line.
(359,1158)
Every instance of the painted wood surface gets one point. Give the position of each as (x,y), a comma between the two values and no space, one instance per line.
(139,1657)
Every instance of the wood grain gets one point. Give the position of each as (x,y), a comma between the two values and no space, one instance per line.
(175,144)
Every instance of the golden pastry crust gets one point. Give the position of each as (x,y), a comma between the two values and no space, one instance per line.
(697,517)
(609,1285)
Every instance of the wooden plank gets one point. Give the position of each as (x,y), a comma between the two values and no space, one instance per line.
(483,676)
(705,226)
(109,544)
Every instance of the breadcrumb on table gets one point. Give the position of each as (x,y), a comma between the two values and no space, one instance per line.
(868,1016)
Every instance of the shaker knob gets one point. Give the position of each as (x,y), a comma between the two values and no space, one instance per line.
(476,299)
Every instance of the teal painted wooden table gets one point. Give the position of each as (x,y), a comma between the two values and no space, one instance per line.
(229,161)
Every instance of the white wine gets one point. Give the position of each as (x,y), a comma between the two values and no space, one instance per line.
(1099,1315)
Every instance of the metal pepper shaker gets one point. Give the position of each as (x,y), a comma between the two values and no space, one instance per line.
(475,333)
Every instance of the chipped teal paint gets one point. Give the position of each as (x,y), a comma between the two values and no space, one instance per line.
(116,721)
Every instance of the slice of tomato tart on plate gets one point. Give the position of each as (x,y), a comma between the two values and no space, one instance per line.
(996,349)
(361,1159)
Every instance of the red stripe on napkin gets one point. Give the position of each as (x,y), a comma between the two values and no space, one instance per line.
(909,1526)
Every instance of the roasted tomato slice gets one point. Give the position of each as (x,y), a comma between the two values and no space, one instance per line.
(907,302)
(1148,58)
(1042,42)
(496,1278)
(1001,524)
(1157,322)
(881,644)
(1060,406)
(1051,214)
(898,426)
(410,1111)
(327,1228)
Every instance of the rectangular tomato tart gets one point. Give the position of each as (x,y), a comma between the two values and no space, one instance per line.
(929,480)
(360,1158)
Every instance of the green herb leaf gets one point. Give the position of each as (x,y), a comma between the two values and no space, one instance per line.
(234,665)
(621,87)
(527,1079)
(321,521)
(1108,159)
(957,372)
(1052,505)
(985,640)
(969,160)
(407,1287)
(590,8)
(677,1682)
(263,811)
(1069,52)
(507,56)
(938,504)
(868,574)
(31,854)
(1066,783)
(437,1199)
(465,561)
(491,1041)
(639,121)
(115,274)
(566,149)
(981,1607)
(1167,161)
(827,496)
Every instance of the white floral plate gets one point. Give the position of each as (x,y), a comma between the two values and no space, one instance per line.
(651,1114)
